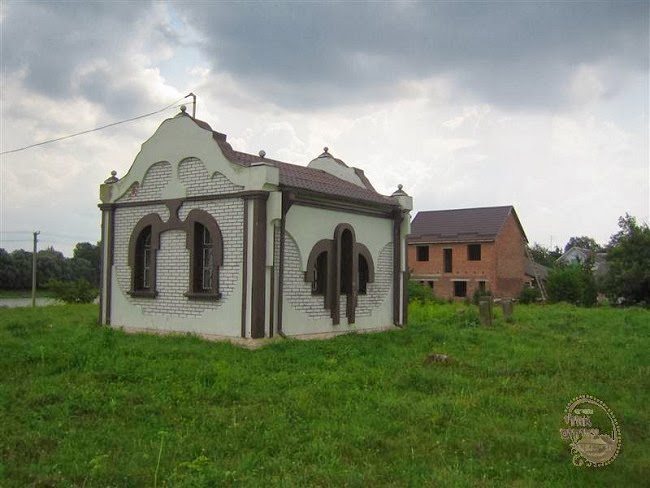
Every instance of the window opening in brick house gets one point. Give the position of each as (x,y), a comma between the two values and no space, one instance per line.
(422,253)
(481,286)
(364,275)
(473,252)
(143,255)
(447,258)
(319,283)
(430,283)
(460,289)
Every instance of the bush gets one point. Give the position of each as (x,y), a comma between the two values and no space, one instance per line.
(79,291)
(572,284)
(421,293)
(529,295)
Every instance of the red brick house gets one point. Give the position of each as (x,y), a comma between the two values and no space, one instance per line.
(457,252)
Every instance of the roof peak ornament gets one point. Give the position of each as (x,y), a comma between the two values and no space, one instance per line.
(399,192)
(113,178)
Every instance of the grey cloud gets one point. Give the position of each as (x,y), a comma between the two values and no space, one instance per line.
(51,42)
(506,53)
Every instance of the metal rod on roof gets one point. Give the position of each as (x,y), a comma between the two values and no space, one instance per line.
(193,104)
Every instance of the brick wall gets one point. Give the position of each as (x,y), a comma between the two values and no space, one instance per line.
(510,266)
(194,176)
(501,264)
(462,268)
(378,291)
(173,260)
(155,180)
(298,291)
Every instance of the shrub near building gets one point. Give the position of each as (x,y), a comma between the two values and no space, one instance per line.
(572,284)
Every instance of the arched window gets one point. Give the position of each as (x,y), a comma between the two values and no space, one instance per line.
(363,275)
(203,260)
(347,266)
(142,274)
(205,243)
(319,278)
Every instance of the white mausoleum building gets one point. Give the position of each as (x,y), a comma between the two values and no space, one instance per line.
(198,237)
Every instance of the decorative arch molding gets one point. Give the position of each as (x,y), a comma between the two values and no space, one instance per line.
(157,227)
(194,244)
(341,277)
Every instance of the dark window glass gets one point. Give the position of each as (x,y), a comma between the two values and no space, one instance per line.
(481,286)
(460,288)
(143,261)
(474,252)
(364,274)
(319,283)
(447,257)
(346,262)
(203,259)
(422,253)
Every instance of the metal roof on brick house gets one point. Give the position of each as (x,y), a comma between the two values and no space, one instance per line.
(302,178)
(461,225)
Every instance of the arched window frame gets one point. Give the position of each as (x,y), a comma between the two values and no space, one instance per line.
(142,257)
(343,256)
(364,258)
(320,283)
(195,223)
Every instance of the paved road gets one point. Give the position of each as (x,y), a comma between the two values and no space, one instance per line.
(25,302)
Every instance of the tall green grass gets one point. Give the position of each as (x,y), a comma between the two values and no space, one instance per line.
(82,405)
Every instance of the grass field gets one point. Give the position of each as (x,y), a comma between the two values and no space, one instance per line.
(87,406)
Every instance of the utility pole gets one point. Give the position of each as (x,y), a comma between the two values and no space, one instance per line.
(34,269)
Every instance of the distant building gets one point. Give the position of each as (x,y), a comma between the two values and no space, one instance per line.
(198,237)
(597,261)
(457,252)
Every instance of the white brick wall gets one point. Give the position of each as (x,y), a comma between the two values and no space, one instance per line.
(155,180)
(229,214)
(378,291)
(125,220)
(298,291)
(193,174)
(172,260)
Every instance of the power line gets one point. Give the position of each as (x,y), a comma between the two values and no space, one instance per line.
(91,130)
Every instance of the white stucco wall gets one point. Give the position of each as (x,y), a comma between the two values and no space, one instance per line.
(304,313)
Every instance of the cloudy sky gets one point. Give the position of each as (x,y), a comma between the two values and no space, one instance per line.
(542,105)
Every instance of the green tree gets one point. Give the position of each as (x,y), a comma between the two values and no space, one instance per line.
(86,262)
(583,242)
(628,255)
(543,255)
(572,284)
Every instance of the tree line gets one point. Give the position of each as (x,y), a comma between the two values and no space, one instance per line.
(626,281)
(51,266)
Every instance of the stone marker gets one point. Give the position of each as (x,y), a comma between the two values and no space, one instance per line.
(508,306)
(485,310)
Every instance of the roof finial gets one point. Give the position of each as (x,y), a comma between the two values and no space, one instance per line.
(262,153)
(113,177)
(399,192)
(183,108)
(326,149)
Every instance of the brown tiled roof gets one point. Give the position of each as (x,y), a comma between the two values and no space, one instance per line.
(297,177)
(461,225)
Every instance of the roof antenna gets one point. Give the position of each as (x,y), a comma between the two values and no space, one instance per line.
(193,103)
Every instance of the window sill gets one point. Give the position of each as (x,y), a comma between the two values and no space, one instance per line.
(193,295)
(143,293)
